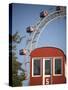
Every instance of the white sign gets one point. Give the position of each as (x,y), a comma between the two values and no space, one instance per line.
(47,81)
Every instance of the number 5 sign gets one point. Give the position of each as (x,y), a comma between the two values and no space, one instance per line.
(47,81)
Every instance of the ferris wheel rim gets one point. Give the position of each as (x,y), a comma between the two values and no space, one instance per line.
(48,23)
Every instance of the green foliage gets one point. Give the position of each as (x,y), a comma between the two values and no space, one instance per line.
(16,38)
(16,79)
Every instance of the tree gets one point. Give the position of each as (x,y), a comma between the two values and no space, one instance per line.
(16,65)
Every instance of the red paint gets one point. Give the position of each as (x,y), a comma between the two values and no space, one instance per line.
(47,52)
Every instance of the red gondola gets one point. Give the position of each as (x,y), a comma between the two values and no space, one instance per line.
(47,66)
(43,14)
(30,29)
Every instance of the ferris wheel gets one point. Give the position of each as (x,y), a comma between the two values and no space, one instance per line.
(35,30)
